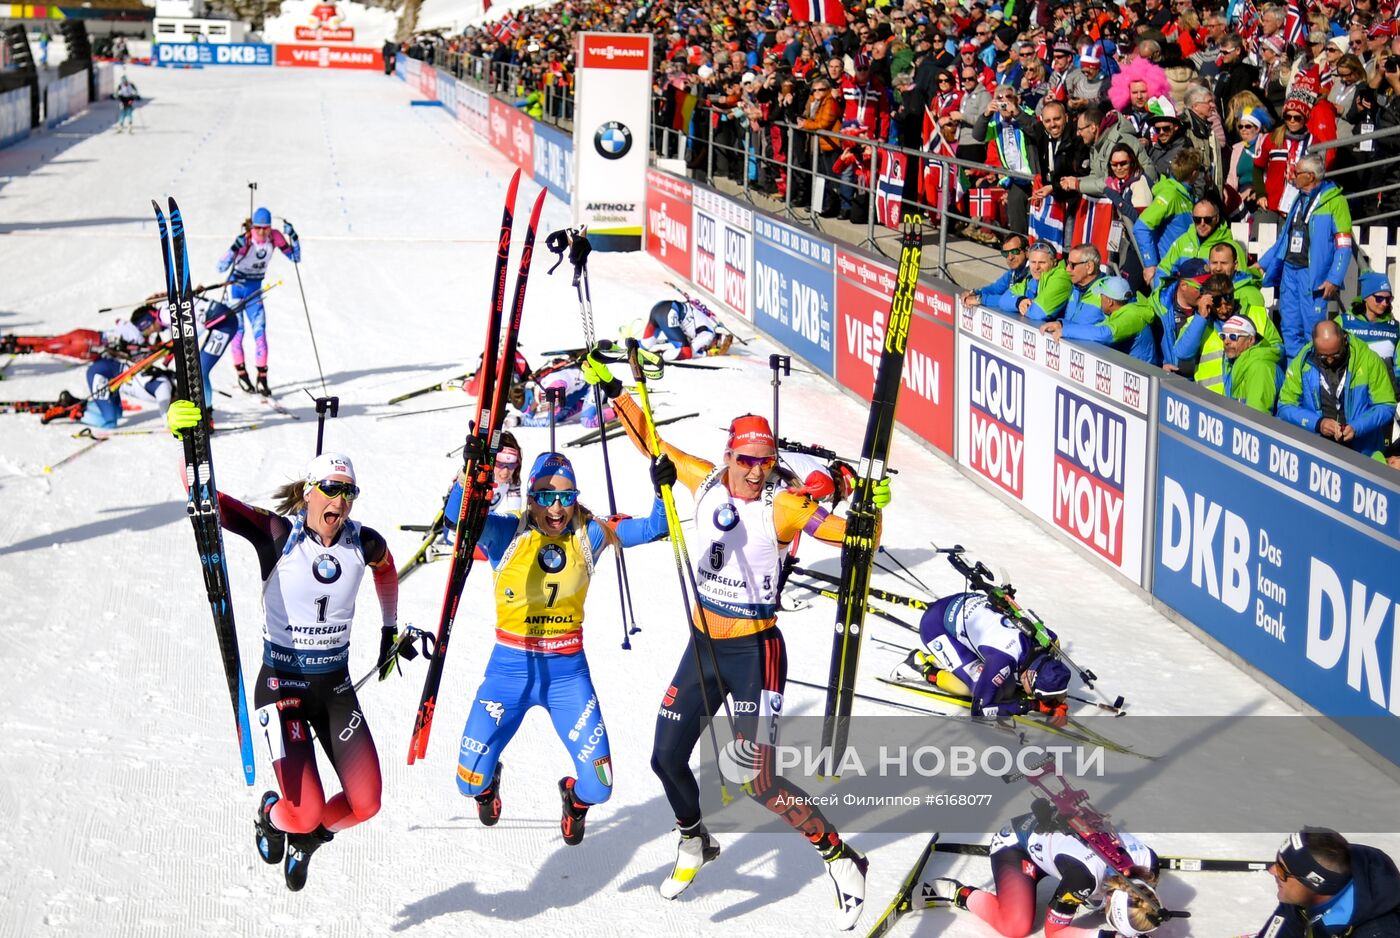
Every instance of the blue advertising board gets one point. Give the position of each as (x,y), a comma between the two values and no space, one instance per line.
(553,153)
(209,53)
(794,290)
(1285,552)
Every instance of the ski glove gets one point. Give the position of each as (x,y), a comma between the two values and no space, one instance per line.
(288,230)
(596,371)
(182,415)
(880,493)
(388,638)
(663,472)
(1057,715)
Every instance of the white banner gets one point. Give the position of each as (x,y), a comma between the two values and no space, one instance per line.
(612,117)
(14,115)
(723,260)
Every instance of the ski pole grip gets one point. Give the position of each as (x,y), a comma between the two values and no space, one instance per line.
(632,346)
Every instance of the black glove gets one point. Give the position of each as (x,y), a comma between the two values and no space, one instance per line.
(288,230)
(579,250)
(1046,819)
(388,638)
(663,472)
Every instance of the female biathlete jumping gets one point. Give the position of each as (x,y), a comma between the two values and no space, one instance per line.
(313,558)
(543,559)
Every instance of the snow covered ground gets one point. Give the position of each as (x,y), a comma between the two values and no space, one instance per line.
(121,807)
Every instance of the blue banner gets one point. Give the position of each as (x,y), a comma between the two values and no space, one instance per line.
(209,53)
(794,290)
(447,92)
(1284,553)
(553,154)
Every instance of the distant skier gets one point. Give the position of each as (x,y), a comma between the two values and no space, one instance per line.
(972,650)
(505,493)
(1039,845)
(85,345)
(678,329)
(312,559)
(565,377)
(543,560)
(249,256)
(127,96)
(102,408)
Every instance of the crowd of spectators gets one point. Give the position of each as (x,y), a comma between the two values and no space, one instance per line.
(1119,141)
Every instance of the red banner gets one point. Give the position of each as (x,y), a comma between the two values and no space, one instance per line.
(669,221)
(864,289)
(328,57)
(325,34)
(513,134)
(427,82)
(613,51)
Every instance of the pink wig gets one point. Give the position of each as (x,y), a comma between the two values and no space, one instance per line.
(1139,69)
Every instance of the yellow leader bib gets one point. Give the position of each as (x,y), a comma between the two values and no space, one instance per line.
(541,585)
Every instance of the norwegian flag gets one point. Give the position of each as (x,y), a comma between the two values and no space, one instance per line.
(1295,24)
(485,6)
(935,173)
(505,30)
(1047,222)
(818,11)
(1097,223)
(1249,25)
(985,204)
(889,189)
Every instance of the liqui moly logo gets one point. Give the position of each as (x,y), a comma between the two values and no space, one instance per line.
(736,270)
(1132,390)
(997,393)
(965,319)
(987,326)
(1103,377)
(1090,454)
(706,251)
(1008,335)
(1028,344)
(1076,365)
(1052,353)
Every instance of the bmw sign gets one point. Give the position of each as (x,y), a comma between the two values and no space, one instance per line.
(613,140)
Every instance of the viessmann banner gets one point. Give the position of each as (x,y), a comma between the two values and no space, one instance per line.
(611,122)
(1058,428)
(669,223)
(330,57)
(1284,552)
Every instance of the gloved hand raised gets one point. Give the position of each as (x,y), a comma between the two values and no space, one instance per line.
(880,493)
(663,472)
(181,416)
(288,230)
(596,371)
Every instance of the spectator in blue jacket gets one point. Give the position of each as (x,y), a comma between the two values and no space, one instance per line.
(1168,216)
(1340,389)
(1133,325)
(1013,248)
(1309,260)
(1327,886)
(1372,319)
(1086,278)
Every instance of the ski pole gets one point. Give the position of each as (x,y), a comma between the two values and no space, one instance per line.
(252,188)
(324,405)
(403,648)
(780,365)
(159,296)
(915,580)
(555,398)
(738,338)
(296,266)
(684,570)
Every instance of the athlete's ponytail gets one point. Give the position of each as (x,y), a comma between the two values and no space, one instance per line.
(290,498)
(1132,905)
(610,538)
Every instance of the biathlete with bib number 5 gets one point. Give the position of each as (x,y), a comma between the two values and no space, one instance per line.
(313,558)
(543,560)
(747,517)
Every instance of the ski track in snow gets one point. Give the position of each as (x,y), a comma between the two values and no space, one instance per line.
(121,805)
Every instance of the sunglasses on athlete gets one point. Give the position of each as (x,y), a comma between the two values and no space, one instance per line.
(332,488)
(756,462)
(548,498)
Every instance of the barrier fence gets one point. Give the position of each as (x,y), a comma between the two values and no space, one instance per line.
(1278,548)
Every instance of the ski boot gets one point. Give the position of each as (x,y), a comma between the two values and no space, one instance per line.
(243,381)
(916,668)
(263,389)
(300,847)
(943,893)
(574,811)
(67,406)
(271,842)
(847,866)
(9,345)
(696,848)
(488,803)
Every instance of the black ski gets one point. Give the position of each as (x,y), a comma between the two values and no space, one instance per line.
(902,904)
(203,499)
(484,439)
(862,521)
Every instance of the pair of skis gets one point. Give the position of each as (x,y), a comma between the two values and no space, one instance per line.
(483,441)
(203,498)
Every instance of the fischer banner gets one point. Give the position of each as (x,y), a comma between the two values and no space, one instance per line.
(1060,429)
(612,117)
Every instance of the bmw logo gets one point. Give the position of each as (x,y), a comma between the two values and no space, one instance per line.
(326,569)
(613,140)
(551,558)
(262,717)
(726,518)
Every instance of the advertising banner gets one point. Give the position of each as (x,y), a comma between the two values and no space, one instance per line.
(205,53)
(513,134)
(669,221)
(864,288)
(553,160)
(406,69)
(611,122)
(1283,551)
(105,79)
(14,116)
(331,57)
(1059,429)
(793,290)
(474,110)
(723,258)
(447,91)
(64,97)
(428,82)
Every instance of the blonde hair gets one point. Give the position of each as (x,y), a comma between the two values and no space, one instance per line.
(1238,105)
(290,498)
(1144,911)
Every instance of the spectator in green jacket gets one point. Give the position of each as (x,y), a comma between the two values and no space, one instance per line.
(1224,259)
(1207,230)
(1252,370)
(1338,388)
(1168,217)
(1052,283)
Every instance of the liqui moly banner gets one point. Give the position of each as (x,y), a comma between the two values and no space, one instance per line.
(864,288)
(722,263)
(669,222)
(474,110)
(611,121)
(1059,429)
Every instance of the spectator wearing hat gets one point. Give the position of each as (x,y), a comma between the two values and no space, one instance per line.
(1168,138)
(1202,337)
(1328,887)
(866,100)
(1131,90)
(1061,64)
(1309,261)
(1169,215)
(1175,303)
(1306,121)
(1372,319)
(1087,85)
(1252,371)
(1275,72)
(1340,389)
(1131,325)
(1377,50)
(1208,228)
(1239,176)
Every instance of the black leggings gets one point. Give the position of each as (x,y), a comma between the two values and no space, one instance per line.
(753,669)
